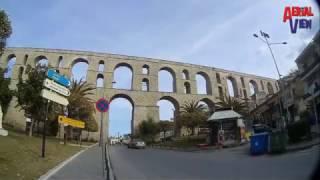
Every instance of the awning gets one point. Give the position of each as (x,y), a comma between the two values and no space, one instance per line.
(223,115)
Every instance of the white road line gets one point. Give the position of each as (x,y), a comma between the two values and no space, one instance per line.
(62,164)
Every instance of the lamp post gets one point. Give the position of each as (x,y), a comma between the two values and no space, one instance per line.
(264,38)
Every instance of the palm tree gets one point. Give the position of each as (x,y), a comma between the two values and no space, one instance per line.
(192,114)
(81,106)
(233,103)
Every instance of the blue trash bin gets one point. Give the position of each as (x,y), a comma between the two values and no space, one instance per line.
(259,143)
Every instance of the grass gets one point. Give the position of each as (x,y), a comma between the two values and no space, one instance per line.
(20,156)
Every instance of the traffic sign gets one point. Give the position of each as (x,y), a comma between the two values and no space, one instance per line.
(56,87)
(71,122)
(52,96)
(58,78)
(102,105)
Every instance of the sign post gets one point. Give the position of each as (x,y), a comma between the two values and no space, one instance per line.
(102,105)
(55,89)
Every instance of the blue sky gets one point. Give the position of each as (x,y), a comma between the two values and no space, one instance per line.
(206,32)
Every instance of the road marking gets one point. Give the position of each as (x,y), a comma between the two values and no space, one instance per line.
(61,165)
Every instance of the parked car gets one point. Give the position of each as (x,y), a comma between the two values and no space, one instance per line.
(137,143)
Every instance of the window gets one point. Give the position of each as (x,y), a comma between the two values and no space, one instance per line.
(242,82)
(145,85)
(218,78)
(145,69)
(220,92)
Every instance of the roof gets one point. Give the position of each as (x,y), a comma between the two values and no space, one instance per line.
(225,114)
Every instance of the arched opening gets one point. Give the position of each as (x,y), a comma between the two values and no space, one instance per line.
(122,76)
(218,78)
(232,87)
(253,86)
(41,61)
(187,89)
(242,82)
(221,96)
(121,112)
(185,74)
(79,69)
(25,60)
(167,80)
(145,84)
(145,69)
(100,81)
(203,83)
(21,69)
(59,63)
(11,61)
(262,85)
(168,108)
(270,88)
(101,66)
(209,105)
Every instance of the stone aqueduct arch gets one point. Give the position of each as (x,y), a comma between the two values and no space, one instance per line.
(144,103)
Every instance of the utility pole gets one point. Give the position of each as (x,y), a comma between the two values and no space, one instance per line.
(281,85)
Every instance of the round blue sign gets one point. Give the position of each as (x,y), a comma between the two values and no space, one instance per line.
(102,105)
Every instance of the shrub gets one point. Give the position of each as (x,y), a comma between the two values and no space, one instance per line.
(298,130)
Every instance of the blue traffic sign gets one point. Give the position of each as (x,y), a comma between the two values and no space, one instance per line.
(58,78)
(102,105)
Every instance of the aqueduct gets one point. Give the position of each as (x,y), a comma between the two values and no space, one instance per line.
(144,92)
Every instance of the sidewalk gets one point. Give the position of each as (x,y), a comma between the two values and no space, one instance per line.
(303,145)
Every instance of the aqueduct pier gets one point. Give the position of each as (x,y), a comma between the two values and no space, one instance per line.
(144,93)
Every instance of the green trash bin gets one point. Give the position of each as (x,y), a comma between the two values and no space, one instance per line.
(277,142)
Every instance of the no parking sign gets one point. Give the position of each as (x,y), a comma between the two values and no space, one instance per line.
(102,105)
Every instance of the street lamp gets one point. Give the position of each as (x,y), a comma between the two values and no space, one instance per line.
(264,38)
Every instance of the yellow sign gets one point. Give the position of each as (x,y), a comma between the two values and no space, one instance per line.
(71,122)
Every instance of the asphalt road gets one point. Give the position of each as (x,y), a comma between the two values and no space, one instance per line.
(233,163)
(86,166)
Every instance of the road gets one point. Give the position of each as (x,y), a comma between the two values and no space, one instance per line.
(87,165)
(233,163)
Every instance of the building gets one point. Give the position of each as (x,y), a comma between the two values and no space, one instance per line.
(308,64)
(300,92)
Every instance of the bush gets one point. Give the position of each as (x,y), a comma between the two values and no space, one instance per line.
(298,130)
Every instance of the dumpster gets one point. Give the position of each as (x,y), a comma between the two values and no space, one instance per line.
(259,143)
(277,142)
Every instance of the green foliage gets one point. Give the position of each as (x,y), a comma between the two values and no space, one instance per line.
(5,29)
(148,129)
(192,114)
(80,106)
(28,93)
(299,129)
(5,92)
(165,126)
(233,103)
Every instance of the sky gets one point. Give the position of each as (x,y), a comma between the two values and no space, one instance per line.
(207,32)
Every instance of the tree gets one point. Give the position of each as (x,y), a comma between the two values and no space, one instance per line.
(29,99)
(5,29)
(81,106)
(234,104)
(192,114)
(165,126)
(5,92)
(148,129)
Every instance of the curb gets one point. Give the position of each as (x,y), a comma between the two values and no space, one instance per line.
(52,171)
(109,169)
(303,147)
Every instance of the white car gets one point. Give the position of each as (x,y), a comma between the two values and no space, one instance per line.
(137,143)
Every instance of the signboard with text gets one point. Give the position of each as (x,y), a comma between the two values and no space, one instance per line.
(71,122)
